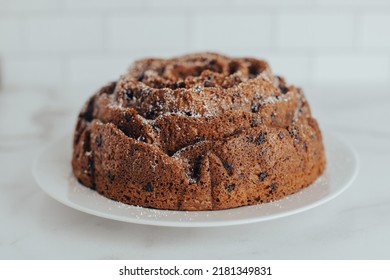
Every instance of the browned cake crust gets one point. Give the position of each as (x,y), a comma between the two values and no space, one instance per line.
(197,132)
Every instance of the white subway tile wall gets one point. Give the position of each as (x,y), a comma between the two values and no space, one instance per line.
(55,44)
(64,34)
(350,68)
(148,32)
(318,30)
(32,71)
(224,31)
(10,35)
(375,30)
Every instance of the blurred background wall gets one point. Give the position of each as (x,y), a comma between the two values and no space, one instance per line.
(63,45)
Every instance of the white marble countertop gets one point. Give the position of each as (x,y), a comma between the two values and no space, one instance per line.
(355,225)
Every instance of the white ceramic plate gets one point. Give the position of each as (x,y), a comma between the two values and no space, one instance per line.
(52,171)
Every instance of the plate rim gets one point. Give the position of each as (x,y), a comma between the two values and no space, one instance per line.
(193,224)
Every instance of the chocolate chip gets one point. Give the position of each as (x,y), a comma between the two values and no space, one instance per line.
(87,114)
(236,94)
(160,84)
(273,187)
(127,116)
(255,107)
(254,122)
(229,188)
(188,113)
(198,138)
(281,135)
(238,130)
(99,140)
(260,139)
(237,80)
(156,125)
(179,84)
(294,133)
(249,139)
(148,187)
(141,138)
(110,176)
(228,167)
(197,88)
(128,92)
(158,104)
(213,62)
(283,89)
(141,76)
(209,84)
(262,176)
(151,114)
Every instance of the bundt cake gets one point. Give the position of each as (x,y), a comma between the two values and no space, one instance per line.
(197,132)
